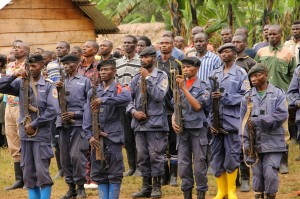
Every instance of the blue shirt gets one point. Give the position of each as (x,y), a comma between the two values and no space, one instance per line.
(176,53)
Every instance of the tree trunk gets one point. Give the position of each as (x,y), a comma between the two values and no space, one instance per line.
(176,18)
(194,13)
(230,17)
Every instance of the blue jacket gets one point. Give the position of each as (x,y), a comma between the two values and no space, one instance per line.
(157,87)
(268,114)
(46,102)
(109,112)
(293,93)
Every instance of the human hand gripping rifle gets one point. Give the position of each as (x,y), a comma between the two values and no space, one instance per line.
(62,98)
(215,104)
(96,125)
(177,100)
(250,154)
(27,99)
(144,97)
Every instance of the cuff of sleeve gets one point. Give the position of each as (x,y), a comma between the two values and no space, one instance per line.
(103,99)
(132,111)
(88,136)
(34,124)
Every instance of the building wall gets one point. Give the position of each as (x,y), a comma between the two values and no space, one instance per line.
(42,23)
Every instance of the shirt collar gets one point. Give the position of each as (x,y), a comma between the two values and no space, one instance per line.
(136,56)
(271,48)
(41,81)
(207,55)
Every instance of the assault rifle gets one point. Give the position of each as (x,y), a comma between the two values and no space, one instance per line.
(177,100)
(144,97)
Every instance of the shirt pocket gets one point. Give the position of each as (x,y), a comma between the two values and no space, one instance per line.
(281,67)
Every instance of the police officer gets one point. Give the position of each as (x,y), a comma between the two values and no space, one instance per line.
(151,127)
(267,118)
(226,148)
(36,150)
(195,97)
(110,97)
(73,145)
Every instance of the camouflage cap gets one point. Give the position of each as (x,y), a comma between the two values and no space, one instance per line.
(35,59)
(227,45)
(258,68)
(194,61)
(70,58)
(148,51)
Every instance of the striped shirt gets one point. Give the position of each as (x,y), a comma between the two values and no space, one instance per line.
(53,70)
(127,69)
(209,62)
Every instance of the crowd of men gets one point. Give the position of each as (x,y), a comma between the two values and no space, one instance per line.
(178,110)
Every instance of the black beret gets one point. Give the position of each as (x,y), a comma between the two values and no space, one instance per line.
(194,61)
(258,68)
(70,58)
(227,45)
(110,62)
(148,51)
(35,59)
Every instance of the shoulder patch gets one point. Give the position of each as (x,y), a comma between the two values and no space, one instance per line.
(246,83)
(165,83)
(54,93)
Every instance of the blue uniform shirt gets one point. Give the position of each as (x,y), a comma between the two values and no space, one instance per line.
(46,102)
(268,114)
(76,97)
(293,93)
(157,87)
(235,84)
(109,112)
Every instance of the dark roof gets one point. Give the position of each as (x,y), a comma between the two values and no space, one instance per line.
(103,25)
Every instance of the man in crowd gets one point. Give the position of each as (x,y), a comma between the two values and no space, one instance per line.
(179,42)
(244,31)
(143,42)
(105,50)
(226,35)
(265,41)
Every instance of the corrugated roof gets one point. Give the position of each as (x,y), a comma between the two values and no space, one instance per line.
(103,25)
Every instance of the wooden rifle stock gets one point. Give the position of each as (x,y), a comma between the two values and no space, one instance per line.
(215,104)
(144,97)
(96,125)
(177,100)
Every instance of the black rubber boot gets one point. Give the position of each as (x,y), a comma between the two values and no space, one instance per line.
(131,163)
(165,178)
(81,192)
(71,192)
(284,169)
(60,173)
(156,191)
(271,196)
(18,177)
(173,173)
(146,189)
(187,194)
(259,196)
(200,195)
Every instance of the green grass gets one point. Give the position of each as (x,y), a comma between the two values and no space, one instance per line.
(289,183)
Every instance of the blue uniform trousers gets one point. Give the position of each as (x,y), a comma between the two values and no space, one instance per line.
(151,147)
(265,173)
(111,169)
(192,148)
(73,150)
(225,153)
(35,161)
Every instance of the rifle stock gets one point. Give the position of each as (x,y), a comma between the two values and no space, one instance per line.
(144,98)
(177,100)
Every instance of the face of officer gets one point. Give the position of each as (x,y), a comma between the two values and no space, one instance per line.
(129,45)
(274,35)
(147,61)
(227,55)
(61,49)
(70,67)
(200,43)
(296,31)
(239,42)
(36,69)
(189,71)
(107,72)
(166,45)
(259,79)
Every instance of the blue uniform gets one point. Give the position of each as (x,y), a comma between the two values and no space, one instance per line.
(226,149)
(268,114)
(192,145)
(293,93)
(72,142)
(36,151)
(151,135)
(111,170)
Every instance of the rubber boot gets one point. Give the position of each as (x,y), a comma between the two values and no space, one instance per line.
(284,169)
(231,179)
(156,191)
(34,193)
(187,194)
(71,192)
(81,192)
(46,192)
(114,191)
(103,191)
(200,194)
(271,196)
(60,171)
(173,173)
(146,189)
(259,195)
(245,175)
(245,187)
(18,177)
(222,186)
(165,178)
(137,171)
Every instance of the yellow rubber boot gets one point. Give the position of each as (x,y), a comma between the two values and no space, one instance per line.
(231,178)
(222,186)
